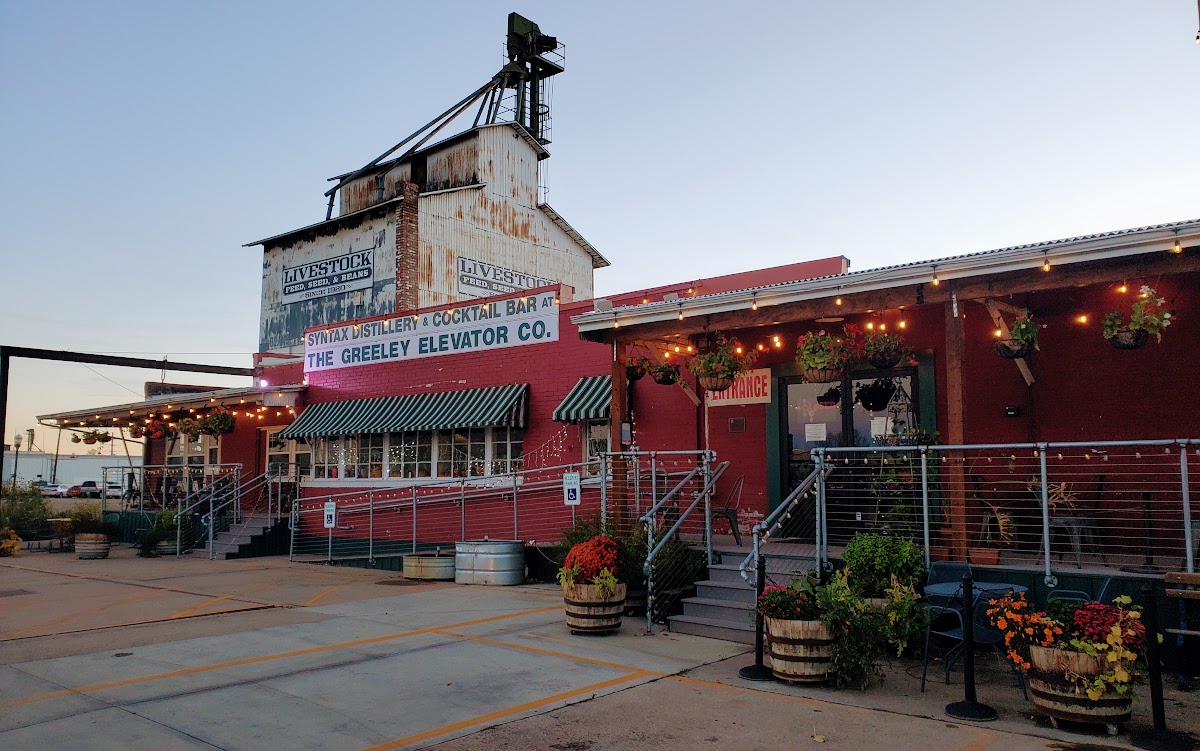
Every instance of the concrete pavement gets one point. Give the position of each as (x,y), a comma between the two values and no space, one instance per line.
(132,653)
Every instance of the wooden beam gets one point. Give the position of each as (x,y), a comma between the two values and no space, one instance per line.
(955,428)
(658,351)
(993,309)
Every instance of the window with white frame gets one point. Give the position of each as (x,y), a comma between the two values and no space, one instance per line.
(595,443)
(465,452)
(283,453)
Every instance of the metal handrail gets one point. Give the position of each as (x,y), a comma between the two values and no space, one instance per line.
(775,518)
(704,493)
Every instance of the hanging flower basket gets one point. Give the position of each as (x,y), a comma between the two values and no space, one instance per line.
(722,361)
(1129,338)
(664,375)
(1011,349)
(885,360)
(876,395)
(831,397)
(136,431)
(823,375)
(715,383)
(217,423)
(636,368)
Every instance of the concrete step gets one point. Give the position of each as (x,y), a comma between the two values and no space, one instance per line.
(724,572)
(203,553)
(718,610)
(713,629)
(719,590)
(238,536)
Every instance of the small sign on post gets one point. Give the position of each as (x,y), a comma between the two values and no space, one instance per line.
(330,515)
(571,488)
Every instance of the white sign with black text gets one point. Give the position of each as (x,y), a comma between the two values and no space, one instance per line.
(330,514)
(571,488)
(481,279)
(329,276)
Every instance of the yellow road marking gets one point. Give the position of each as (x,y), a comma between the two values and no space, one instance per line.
(320,595)
(549,653)
(756,692)
(266,658)
(200,606)
(502,713)
(124,601)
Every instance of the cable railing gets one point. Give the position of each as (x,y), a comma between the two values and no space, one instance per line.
(1102,505)
(528,505)
(779,525)
(672,566)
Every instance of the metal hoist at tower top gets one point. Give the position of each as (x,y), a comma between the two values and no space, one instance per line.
(518,93)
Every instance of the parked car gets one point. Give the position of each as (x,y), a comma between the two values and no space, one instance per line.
(113,490)
(58,490)
(90,488)
(75,491)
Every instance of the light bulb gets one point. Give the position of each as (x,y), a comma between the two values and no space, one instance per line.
(1122,289)
(902,324)
(999,333)
(1177,248)
(681,314)
(871,325)
(936,281)
(754,305)
(838,301)
(1082,319)
(883,327)
(739,350)
(1046,265)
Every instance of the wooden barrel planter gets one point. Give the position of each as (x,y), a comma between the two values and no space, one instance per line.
(1061,699)
(635,600)
(92,546)
(823,375)
(589,613)
(800,651)
(166,547)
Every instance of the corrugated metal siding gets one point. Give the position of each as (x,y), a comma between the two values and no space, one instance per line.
(454,166)
(282,326)
(364,191)
(508,165)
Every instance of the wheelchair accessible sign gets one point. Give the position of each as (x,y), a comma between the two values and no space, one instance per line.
(571,488)
(330,515)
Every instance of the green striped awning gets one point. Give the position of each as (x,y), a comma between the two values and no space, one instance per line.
(589,399)
(496,406)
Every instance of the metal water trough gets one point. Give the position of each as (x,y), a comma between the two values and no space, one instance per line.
(500,562)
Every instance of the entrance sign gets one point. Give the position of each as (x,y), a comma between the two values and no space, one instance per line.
(748,388)
(571,488)
(482,279)
(331,276)
(330,514)
(495,324)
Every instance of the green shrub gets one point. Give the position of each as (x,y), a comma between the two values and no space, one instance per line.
(25,511)
(874,559)
(859,635)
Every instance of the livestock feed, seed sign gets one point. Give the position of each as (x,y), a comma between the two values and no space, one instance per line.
(478,327)
(331,276)
(480,279)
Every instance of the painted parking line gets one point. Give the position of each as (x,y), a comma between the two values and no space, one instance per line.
(266,658)
(549,653)
(90,611)
(322,594)
(508,712)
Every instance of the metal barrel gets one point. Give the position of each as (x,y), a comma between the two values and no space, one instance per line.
(500,562)
(430,566)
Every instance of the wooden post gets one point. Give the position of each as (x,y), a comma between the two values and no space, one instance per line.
(618,412)
(955,428)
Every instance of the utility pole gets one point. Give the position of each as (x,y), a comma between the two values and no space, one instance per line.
(16,458)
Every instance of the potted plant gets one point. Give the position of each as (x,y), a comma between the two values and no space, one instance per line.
(874,396)
(860,633)
(884,350)
(75,438)
(217,423)
(830,397)
(875,560)
(593,596)
(717,367)
(93,537)
(10,543)
(1147,316)
(665,374)
(136,431)
(190,427)
(635,368)
(1081,667)
(164,535)
(1023,338)
(823,357)
(159,428)
(91,437)
(799,643)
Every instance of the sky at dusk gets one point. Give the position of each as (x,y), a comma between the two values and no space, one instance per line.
(145,142)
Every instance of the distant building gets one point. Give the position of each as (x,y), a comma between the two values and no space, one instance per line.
(72,469)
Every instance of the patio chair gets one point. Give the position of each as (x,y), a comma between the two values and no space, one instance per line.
(945,572)
(1078,595)
(946,621)
(729,510)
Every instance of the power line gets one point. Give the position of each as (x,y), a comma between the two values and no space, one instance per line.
(135,393)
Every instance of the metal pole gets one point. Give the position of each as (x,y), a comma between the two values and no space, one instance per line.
(329,552)
(371,526)
(1049,578)
(603,487)
(462,500)
(1189,559)
(648,570)
(819,514)
(179,525)
(414,534)
(708,510)
(1158,739)
(969,708)
(925,501)
(293,522)
(758,671)
(211,522)
(516,520)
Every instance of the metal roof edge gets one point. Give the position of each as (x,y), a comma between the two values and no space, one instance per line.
(324,223)
(1100,246)
(598,261)
(185,398)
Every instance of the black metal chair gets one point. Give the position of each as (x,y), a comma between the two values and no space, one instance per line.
(729,510)
(1079,595)
(946,621)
